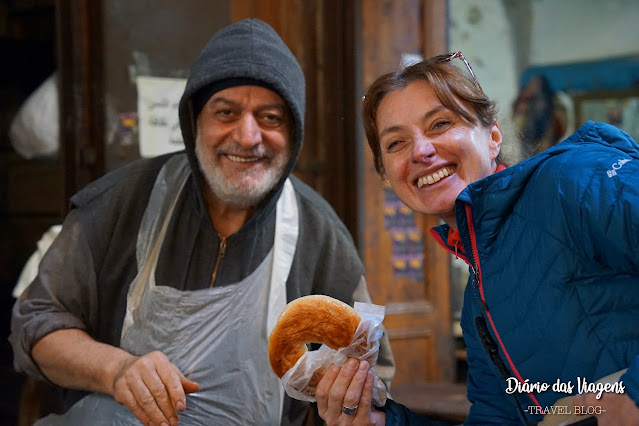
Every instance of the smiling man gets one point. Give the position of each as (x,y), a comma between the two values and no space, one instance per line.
(243,147)
(158,295)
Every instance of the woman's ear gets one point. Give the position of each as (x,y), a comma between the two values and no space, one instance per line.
(495,140)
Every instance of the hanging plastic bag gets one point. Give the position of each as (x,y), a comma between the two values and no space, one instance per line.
(35,129)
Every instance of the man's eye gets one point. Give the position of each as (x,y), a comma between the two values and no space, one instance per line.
(272,119)
(223,112)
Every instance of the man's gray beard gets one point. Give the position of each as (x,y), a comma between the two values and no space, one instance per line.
(237,194)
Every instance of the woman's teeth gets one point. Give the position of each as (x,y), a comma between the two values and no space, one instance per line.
(435,177)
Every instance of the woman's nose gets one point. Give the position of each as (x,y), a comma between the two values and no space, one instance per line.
(423,149)
(247,131)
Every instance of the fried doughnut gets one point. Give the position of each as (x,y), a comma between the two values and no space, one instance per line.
(310,319)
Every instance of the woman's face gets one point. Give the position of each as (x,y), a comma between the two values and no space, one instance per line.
(430,154)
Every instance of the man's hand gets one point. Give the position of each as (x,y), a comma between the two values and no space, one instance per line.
(615,409)
(152,388)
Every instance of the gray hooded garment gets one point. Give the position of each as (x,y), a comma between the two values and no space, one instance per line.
(84,277)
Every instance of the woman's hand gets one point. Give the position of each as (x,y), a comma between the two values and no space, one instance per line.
(611,409)
(344,388)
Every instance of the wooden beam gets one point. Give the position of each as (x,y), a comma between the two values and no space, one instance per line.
(435,18)
(79,53)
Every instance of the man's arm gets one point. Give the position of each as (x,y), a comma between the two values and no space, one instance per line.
(150,386)
(72,359)
(50,342)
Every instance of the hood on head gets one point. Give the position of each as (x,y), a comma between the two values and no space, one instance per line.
(246,50)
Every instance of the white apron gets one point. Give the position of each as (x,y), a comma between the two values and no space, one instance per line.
(217,337)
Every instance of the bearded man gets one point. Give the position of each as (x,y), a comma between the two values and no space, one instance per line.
(158,295)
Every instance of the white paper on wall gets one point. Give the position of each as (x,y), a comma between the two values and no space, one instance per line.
(159,125)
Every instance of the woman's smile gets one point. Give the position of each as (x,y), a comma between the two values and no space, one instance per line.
(435,177)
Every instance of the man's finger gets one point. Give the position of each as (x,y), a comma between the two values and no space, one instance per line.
(172,379)
(157,387)
(188,386)
(130,402)
(146,402)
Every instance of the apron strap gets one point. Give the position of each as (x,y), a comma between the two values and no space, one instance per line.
(286,231)
(166,191)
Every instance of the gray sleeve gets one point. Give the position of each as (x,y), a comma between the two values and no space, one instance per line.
(385,367)
(62,296)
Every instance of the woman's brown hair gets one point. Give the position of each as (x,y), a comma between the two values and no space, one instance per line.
(451,85)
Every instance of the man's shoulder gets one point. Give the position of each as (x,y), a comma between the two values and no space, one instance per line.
(308,196)
(132,180)
(317,212)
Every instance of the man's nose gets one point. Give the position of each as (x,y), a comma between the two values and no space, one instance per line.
(423,149)
(247,131)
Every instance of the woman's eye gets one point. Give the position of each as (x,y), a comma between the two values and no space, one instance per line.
(393,145)
(440,123)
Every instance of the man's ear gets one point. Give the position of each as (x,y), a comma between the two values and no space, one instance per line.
(495,140)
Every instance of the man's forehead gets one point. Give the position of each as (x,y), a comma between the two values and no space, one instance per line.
(250,93)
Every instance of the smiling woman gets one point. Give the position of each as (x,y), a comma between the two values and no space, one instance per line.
(432,132)
(531,235)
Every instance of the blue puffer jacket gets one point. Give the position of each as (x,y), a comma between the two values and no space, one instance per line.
(553,245)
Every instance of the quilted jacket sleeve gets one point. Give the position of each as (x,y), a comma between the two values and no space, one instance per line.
(399,415)
(605,220)
(601,206)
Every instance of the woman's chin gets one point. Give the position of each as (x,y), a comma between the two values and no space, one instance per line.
(433,202)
